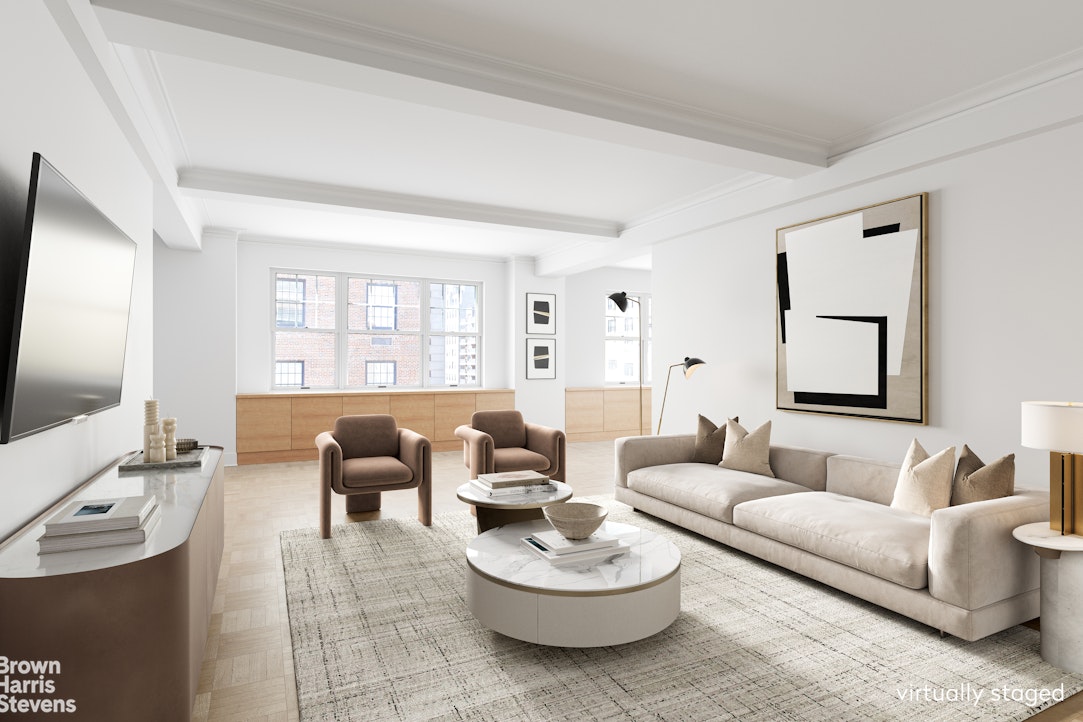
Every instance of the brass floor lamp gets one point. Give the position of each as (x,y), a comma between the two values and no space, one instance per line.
(690,363)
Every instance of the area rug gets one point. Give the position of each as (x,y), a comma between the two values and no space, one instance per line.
(381,631)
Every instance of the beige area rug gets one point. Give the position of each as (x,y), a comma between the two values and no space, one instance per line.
(381,631)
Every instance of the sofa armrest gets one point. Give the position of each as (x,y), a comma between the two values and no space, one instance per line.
(973,559)
(636,452)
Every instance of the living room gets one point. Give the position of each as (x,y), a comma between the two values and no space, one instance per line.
(997,156)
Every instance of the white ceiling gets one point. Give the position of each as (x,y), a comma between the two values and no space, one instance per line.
(499,129)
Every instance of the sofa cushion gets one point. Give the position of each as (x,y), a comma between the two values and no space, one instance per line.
(862,478)
(885,542)
(516,459)
(709,490)
(977,481)
(710,440)
(748,451)
(924,481)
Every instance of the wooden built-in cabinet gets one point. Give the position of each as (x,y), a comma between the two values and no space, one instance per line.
(599,414)
(283,427)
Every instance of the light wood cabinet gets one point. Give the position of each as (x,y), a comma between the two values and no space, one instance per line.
(283,427)
(599,414)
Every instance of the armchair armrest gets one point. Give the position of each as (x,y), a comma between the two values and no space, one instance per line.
(973,559)
(550,443)
(330,456)
(636,452)
(477,450)
(416,452)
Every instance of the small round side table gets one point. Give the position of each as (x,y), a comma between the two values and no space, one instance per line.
(494,511)
(1061,595)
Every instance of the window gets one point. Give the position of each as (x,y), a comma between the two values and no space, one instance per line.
(289,373)
(380,373)
(362,331)
(622,347)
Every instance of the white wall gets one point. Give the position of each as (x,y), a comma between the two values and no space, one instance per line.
(585,295)
(254,333)
(195,340)
(51,107)
(541,401)
(1004,305)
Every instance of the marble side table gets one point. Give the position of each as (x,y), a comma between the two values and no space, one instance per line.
(1062,593)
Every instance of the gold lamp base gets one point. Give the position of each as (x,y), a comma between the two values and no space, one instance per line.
(1066,492)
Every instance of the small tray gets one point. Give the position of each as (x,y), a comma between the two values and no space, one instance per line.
(189,458)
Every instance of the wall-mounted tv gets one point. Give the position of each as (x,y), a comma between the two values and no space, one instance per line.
(71,303)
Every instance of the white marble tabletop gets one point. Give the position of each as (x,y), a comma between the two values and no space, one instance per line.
(499,554)
(529,500)
(1039,534)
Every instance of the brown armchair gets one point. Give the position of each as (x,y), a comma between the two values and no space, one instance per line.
(366,455)
(497,441)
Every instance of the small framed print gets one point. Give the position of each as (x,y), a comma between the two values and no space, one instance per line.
(541,358)
(541,313)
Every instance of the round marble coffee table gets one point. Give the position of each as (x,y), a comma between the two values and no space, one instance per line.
(494,511)
(628,597)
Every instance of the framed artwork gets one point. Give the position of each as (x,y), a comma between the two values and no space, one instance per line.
(851,336)
(540,358)
(541,313)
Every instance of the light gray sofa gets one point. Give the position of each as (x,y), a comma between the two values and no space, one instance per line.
(828,517)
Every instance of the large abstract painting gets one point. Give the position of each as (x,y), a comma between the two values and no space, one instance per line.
(851,321)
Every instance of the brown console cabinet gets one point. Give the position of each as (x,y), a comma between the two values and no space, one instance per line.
(283,426)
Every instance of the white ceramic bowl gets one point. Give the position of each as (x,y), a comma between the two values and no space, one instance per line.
(576,520)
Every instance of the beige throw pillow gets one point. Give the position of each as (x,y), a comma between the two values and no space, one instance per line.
(744,451)
(924,481)
(710,441)
(977,481)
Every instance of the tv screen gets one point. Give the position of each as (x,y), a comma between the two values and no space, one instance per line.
(71,304)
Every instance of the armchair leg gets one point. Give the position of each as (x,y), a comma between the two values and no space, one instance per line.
(325,509)
(362,502)
(424,503)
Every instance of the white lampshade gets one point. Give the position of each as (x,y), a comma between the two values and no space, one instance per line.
(1053,425)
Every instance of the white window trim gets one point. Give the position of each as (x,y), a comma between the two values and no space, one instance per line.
(342,332)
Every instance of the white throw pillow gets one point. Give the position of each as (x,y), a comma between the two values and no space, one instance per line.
(746,451)
(924,481)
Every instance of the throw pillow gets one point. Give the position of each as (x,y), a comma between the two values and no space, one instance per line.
(924,481)
(744,451)
(977,481)
(710,440)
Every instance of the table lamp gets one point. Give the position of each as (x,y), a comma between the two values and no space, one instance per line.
(1058,426)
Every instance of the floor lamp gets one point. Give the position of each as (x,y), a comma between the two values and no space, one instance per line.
(690,363)
(1058,427)
(621,300)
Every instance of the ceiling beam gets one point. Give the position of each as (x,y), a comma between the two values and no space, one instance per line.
(375,61)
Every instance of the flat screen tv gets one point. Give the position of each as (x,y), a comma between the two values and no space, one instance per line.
(71,302)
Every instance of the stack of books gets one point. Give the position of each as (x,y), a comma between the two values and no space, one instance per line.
(558,551)
(512,482)
(88,524)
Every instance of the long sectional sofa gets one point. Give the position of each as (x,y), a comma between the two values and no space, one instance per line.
(828,517)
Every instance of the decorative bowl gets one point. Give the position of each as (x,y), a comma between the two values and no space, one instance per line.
(576,520)
(186,445)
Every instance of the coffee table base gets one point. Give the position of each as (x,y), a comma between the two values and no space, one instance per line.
(573,620)
(490,518)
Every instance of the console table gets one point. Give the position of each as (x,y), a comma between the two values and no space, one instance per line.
(118,632)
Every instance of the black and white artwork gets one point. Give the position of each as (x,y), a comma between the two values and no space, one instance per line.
(851,321)
(541,313)
(540,358)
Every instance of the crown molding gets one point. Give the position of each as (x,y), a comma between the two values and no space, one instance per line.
(203,181)
(291,242)
(675,127)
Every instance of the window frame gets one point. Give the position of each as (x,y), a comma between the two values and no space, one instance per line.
(342,331)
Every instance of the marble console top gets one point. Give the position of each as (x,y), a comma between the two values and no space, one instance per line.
(499,554)
(1039,534)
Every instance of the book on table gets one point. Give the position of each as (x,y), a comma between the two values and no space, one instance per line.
(95,515)
(95,539)
(558,544)
(588,556)
(503,479)
(511,490)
